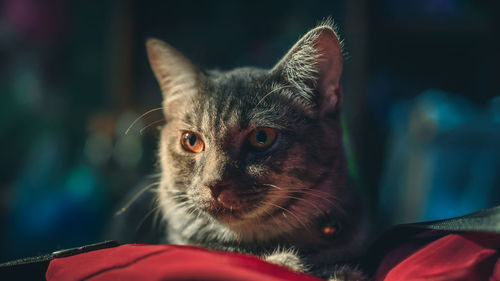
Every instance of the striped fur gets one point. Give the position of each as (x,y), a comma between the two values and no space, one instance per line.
(300,178)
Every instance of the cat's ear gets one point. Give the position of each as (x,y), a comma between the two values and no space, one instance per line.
(175,73)
(314,66)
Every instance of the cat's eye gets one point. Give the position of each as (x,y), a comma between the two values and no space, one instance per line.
(261,138)
(192,142)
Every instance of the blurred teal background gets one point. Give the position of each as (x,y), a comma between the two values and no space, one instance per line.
(421,87)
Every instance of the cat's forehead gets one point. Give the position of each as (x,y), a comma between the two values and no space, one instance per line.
(243,82)
(237,100)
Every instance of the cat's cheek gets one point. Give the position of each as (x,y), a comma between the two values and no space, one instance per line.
(200,196)
(164,162)
(205,197)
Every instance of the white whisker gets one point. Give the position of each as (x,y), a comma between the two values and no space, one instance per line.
(290,212)
(273,91)
(133,199)
(140,117)
(146,216)
(151,124)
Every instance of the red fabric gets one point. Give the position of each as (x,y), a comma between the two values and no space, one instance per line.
(467,256)
(167,262)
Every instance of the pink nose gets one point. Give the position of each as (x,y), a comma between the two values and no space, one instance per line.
(229,199)
(225,194)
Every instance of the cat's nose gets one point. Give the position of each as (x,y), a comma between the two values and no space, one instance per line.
(217,188)
(225,195)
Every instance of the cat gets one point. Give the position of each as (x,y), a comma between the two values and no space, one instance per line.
(252,159)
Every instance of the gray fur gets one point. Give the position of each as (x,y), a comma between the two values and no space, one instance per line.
(299,179)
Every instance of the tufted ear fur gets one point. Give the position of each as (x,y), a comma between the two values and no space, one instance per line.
(174,72)
(314,66)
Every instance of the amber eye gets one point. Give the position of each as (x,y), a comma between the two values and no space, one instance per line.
(192,142)
(262,137)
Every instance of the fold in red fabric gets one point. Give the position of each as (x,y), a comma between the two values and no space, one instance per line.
(465,256)
(167,262)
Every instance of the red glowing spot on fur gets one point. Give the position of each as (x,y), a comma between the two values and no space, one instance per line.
(329,230)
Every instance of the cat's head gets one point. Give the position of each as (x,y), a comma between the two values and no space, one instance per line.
(258,150)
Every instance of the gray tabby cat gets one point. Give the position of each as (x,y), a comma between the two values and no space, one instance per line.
(252,159)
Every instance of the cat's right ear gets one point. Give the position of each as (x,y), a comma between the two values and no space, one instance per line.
(175,73)
(314,66)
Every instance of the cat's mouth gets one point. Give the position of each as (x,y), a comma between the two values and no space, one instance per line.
(231,205)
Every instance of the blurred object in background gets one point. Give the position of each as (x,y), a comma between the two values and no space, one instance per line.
(52,204)
(66,91)
(443,159)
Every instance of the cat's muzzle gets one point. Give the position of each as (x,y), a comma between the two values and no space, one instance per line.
(231,202)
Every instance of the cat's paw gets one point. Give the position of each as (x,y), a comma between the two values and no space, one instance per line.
(288,258)
(347,273)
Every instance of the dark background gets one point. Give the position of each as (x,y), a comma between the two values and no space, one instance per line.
(421,108)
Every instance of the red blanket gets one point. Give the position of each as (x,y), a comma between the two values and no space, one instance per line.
(465,256)
(167,262)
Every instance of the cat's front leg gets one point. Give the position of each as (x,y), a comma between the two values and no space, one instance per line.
(288,258)
(347,273)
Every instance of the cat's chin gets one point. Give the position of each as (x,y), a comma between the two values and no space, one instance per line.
(227,216)
(231,217)
(246,222)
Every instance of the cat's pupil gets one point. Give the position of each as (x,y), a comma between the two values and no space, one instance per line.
(192,139)
(261,137)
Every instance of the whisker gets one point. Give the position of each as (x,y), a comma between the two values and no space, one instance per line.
(315,193)
(191,210)
(334,201)
(181,204)
(276,221)
(151,124)
(140,117)
(290,212)
(271,185)
(180,196)
(306,189)
(146,216)
(303,200)
(320,195)
(133,199)
(157,219)
(324,196)
(156,175)
(272,91)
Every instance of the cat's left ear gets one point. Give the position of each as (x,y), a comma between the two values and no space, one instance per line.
(314,66)
(175,74)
